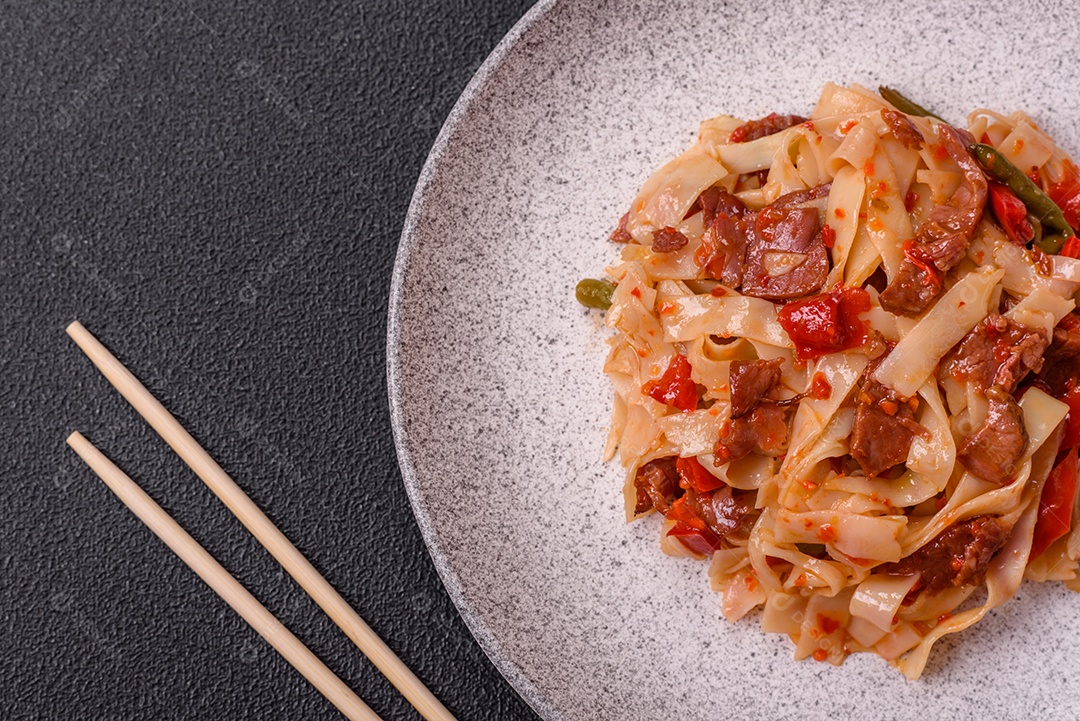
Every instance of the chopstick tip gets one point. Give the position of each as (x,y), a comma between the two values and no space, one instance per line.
(74,327)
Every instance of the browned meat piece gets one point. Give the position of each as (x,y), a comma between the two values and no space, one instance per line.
(751,382)
(621,234)
(769,125)
(763,430)
(944,237)
(793,248)
(728,204)
(947,232)
(668,240)
(917,283)
(1066,343)
(657,485)
(902,129)
(723,246)
(958,556)
(706,203)
(752,427)
(786,256)
(998,351)
(729,263)
(798,197)
(713,200)
(992,452)
(1062,366)
(722,510)
(884,427)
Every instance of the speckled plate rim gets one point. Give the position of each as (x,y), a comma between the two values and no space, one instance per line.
(511,671)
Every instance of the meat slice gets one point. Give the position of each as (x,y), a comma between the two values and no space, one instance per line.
(993,451)
(762,430)
(656,485)
(798,197)
(958,556)
(716,199)
(944,238)
(723,245)
(754,426)
(918,281)
(1062,366)
(668,240)
(769,125)
(948,230)
(722,510)
(998,351)
(621,234)
(786,256)
(902,129)
(751,382)
(728,265)
(884,427)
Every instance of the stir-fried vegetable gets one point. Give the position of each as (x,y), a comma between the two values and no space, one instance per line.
(1038,202)
(1056,505)
(676,387)
(1012,214)
(1051,244)
(906,106)
(694,475)
(593,293)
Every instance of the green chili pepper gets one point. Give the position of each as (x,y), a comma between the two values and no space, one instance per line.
(1038,203)
(1050,244)
(593,293)
(1036,228)
(904,105)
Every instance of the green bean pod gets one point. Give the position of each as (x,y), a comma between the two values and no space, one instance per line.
(904,105)
(593,293)
(1050,244)
(1038,203)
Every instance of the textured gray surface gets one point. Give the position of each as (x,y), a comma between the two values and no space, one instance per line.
(496,373)
(217,193)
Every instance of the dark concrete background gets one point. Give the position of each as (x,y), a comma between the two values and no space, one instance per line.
(217,193)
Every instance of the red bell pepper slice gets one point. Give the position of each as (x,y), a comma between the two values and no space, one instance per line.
(1072,420)
(1055,505)
(826,323)
(694,475)
(1071,249)
(1011,213)
(1066,193)
(675,387)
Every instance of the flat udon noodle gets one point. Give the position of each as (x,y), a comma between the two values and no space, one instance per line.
(887,221)
(842,372)
(667,196)
(729,316)
(842,215)
(915,357)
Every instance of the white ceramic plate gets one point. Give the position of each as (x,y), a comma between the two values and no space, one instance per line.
(499,404)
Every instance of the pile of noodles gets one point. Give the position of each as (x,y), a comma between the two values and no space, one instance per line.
(663,306)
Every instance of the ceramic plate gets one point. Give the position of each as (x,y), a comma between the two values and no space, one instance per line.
(499,404)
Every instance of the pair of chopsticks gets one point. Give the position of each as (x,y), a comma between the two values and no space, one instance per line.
(219,579)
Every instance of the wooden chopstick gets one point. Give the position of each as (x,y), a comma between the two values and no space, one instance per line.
(260,526)
(209,570)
